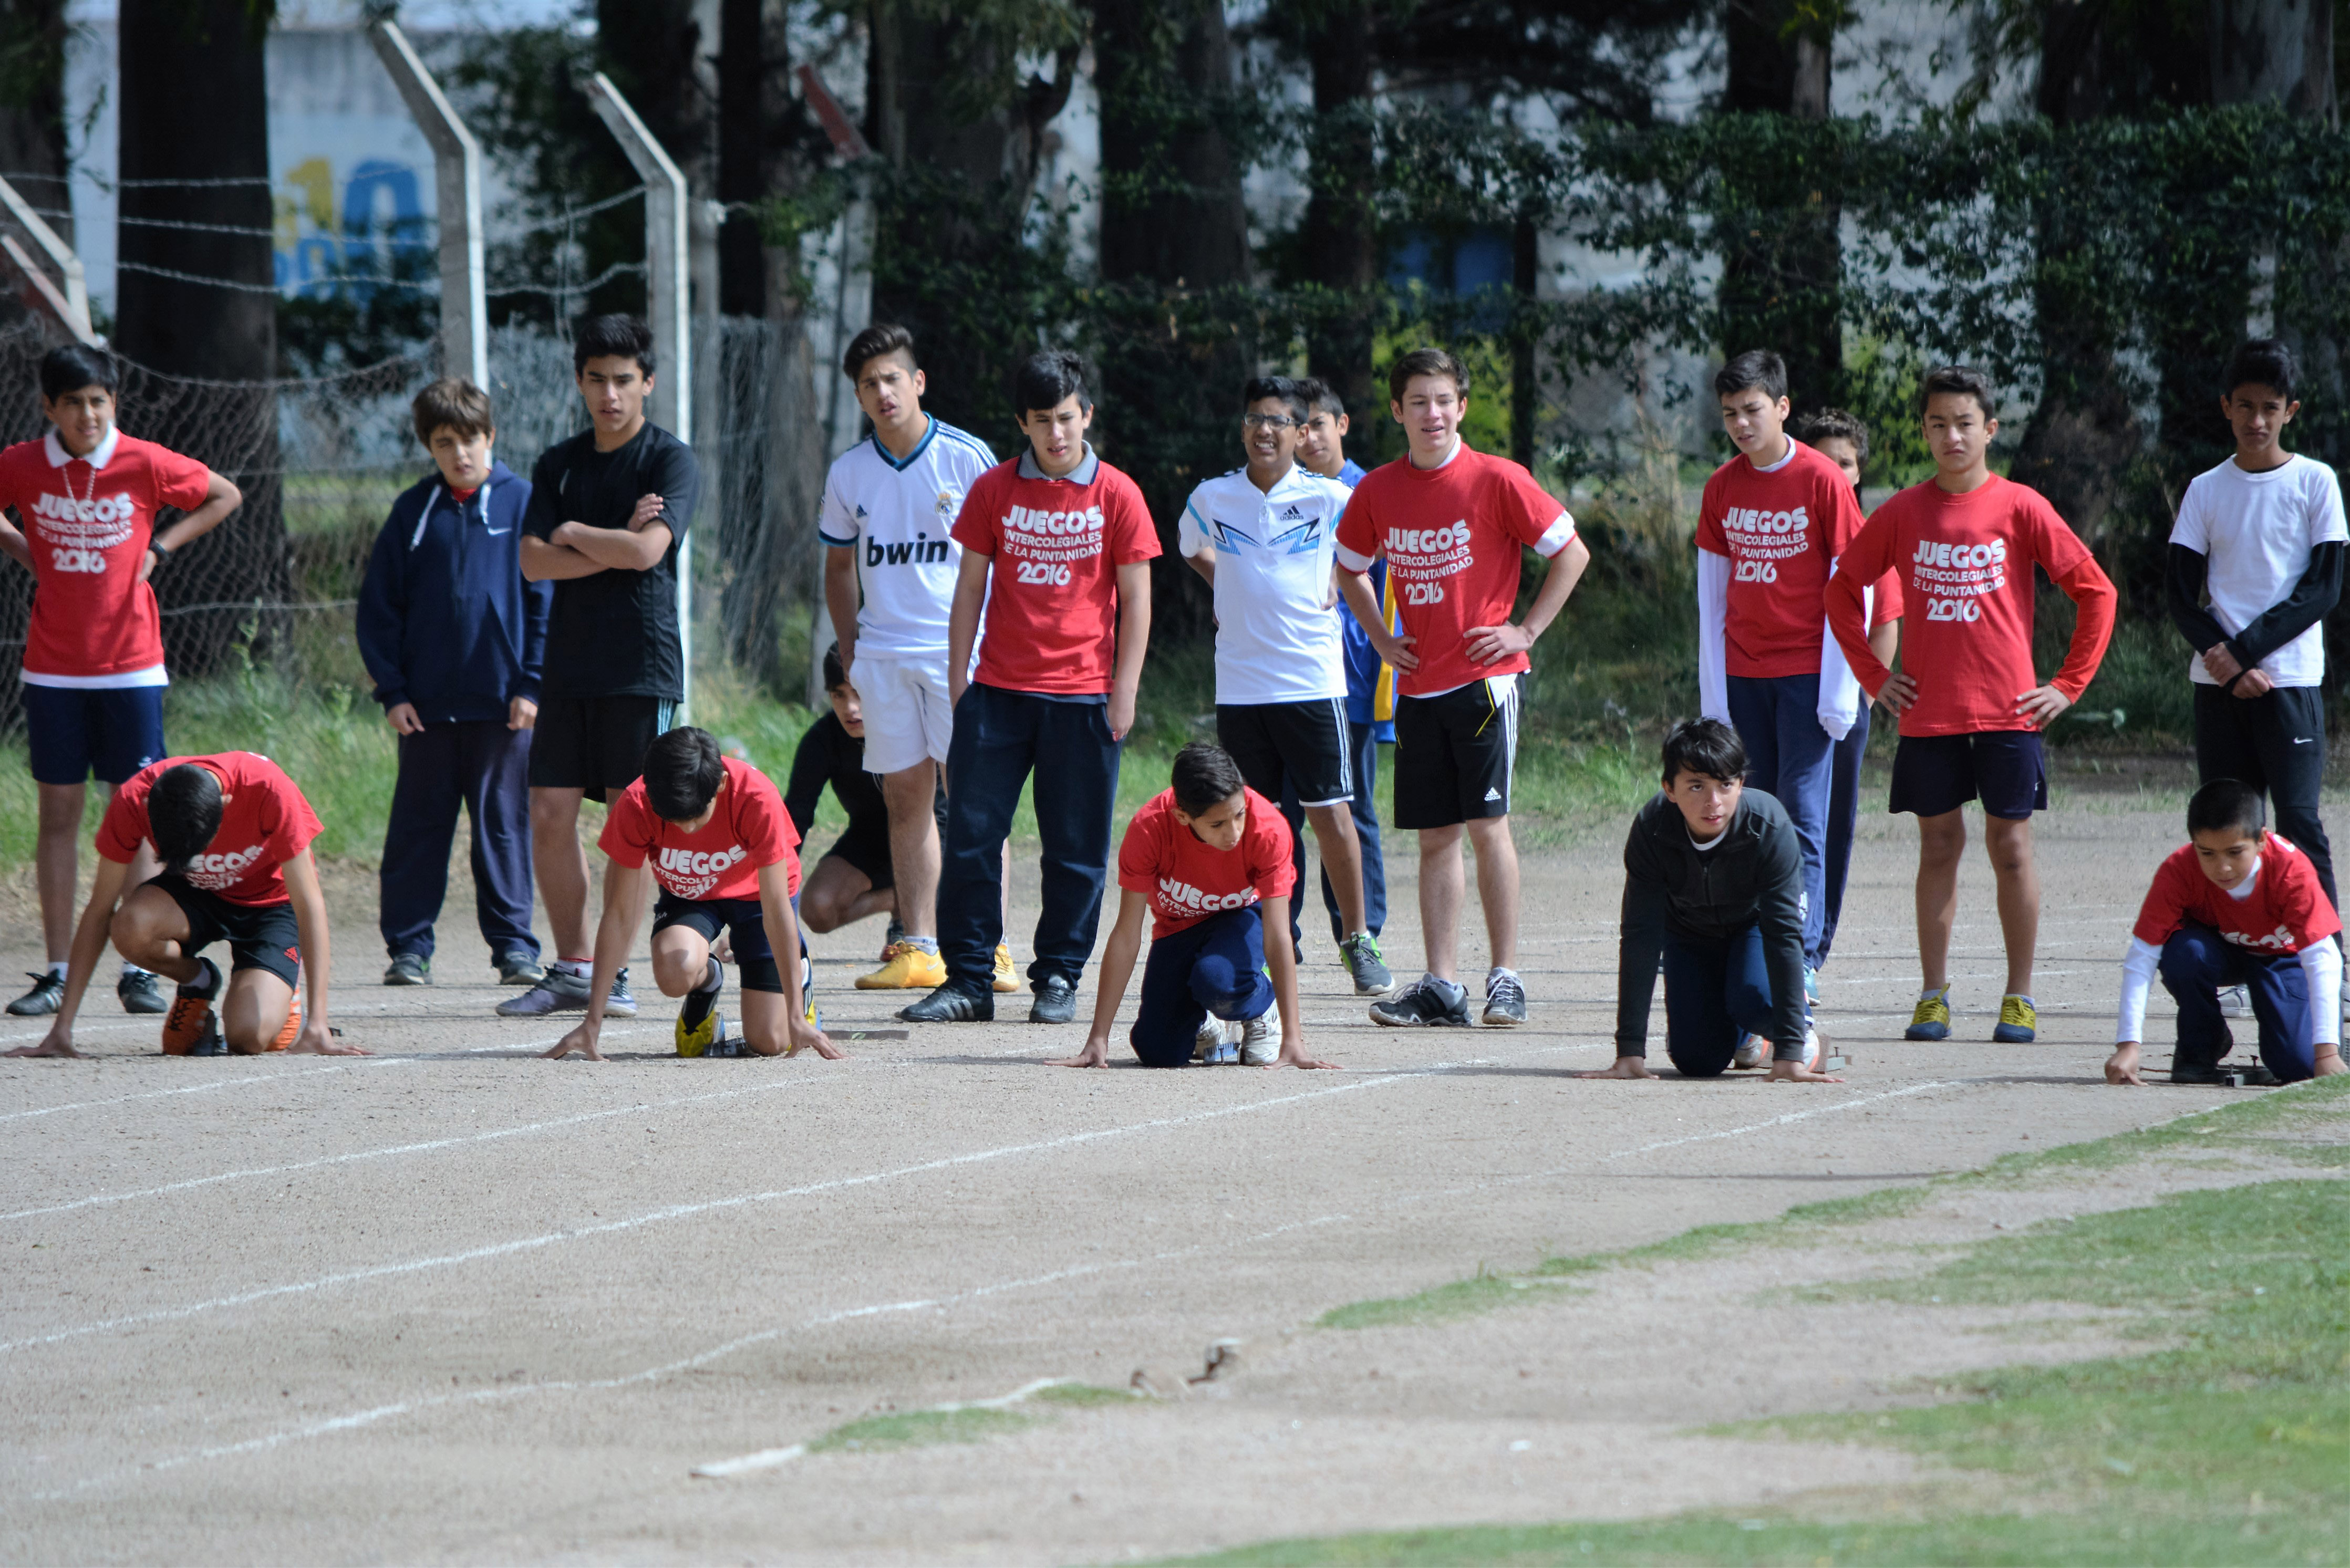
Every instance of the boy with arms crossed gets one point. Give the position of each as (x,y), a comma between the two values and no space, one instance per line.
(1965,542)
(1262,537)
(2262,538)
(1771,524)
(608,509)
(86,497)
(1056,548)
(890,509)
(1450,524)
(1209,858)
(456,639)
(232,833)
(1714,890)
(720,847)
(2236,906)
(1370,685)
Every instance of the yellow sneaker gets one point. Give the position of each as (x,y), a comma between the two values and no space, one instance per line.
(905,967)
(1932,1019)
(695,1040)
(2018,1021)
(1007,979)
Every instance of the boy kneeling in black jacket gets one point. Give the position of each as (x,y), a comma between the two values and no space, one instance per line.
(1713,886)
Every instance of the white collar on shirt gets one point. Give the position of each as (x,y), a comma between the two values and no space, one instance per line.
(2243,889)
(1785,458)
(1457,447)
(99,456)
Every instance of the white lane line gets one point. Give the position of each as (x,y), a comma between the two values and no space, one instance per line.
(80,1029)
(690,1211)
(769,1459)
(196,1088)
(1794,1117)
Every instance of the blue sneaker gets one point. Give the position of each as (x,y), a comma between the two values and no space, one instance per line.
(2018,1021)
(1811,985)
(1932,1019)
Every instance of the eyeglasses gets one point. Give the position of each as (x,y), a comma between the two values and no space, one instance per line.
(1267,422)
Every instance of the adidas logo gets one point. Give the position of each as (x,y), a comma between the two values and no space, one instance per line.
(1492,793)
(1293,514)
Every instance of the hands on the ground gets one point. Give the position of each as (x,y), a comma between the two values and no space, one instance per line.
(1898,693)
(2255,683)
(522,714)
(1294,1054)
(1095,1055)
(801,1036)
(2221,664)
(1625,1067)
(317,1040)
(1488,644)
(582,1039)
(2121,1068)
(2041,705)
(57,1042)
(1799,1073)
(402,718)
(2329,1061)
(648,513)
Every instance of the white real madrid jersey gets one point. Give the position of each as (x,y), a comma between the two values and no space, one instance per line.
(896,516)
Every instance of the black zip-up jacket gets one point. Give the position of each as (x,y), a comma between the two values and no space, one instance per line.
(1753,875)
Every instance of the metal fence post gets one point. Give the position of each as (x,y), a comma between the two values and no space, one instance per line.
(68,297)
(457,187)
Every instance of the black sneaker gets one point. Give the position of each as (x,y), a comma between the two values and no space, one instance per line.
(140,990)
(519,966)
(1057,1000)
(1425,1003)
(49,994)
(409,969)
(1506,1000)
(558,991)
(951,1005)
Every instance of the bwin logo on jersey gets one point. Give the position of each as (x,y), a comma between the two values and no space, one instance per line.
(921,552)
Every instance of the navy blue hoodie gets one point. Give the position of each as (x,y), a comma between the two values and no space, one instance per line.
(445,621)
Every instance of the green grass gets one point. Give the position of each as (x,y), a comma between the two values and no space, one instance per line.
(917,1429)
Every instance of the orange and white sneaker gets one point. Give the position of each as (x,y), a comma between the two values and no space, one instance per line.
(190,1022)
(291,1029)
(905,967)
(1007,979)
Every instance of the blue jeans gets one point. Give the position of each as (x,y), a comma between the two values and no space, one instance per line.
(1843,818)
(2197,962)
(1789,757)
(1000,737)
(485,767)
(1717,992)
(1216,966)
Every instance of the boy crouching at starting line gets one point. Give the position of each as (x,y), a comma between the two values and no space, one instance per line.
(2237,905)
(720,845)
(1210,858)
(233,834)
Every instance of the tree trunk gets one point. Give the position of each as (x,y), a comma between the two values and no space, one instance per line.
(33,147)
(1781,277)
(195,109)
(784,565)
(1341,226)
(754,106)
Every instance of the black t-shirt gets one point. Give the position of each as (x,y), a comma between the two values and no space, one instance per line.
(829,754)
(613,633)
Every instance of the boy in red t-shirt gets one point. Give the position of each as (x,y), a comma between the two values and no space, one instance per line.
(1452,524)
(2237,905)
(232,833)
(86,498)
(1972,708)
(714,837)
(1769,528)
(1056,549)
(1209,860)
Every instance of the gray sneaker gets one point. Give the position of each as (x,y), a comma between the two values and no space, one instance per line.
(1425,1003)
(1261,1041)
(519,966)
(558,991)
(1361,955)
(409,969)
(49,994)
(1506,1000)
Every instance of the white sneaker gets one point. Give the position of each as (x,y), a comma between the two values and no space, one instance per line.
(1812,1041)
(1260,1042)
(2235,1002)
(1752,1052)
(1205,1043)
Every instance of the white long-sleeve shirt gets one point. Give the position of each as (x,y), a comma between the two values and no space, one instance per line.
(2321,968)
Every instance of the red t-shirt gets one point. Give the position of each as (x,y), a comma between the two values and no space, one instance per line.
(1965,566)
(1452,536)
(1187,880)
(264,822)
(1887,603)
(721,859)
(1052,595)
(2286,911)
(1781,531)
(89,529)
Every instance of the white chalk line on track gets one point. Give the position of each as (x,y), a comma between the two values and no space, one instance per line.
(377,1414)
(204,1087)
(769,1459)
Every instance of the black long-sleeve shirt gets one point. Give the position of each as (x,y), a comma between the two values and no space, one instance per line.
(2313,598)
(829,754)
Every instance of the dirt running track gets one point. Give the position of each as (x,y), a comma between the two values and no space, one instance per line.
(450,1303)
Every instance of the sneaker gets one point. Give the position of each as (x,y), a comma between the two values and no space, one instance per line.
(722,1043)
(519,966)
(891,938)
(211,1042)
(1425,1003)
(1222,1054)
(1815,1045)
(140,990)
(2235,1002)
(1210,1036)
(1056,1002)
(1007,979)
(557,990)
(1360,953)
(49,994)
(697,1039)
(191,1017)
(1506,1000)
(291,1030)
(1932,1019)
(949,1004)
(810,1013)
(905,967)
(622,1002)
(1752,1052)
(1261,1041)
(2018,1021)
(699,1007)
(1811,985)
(409,969)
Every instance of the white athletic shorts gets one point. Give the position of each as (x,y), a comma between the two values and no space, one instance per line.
(907,717)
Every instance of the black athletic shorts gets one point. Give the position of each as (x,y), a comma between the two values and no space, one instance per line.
(2003,768)
(259,935)
(744,920)
(1302,744)
(1454,755)
(866,845)
(595,743)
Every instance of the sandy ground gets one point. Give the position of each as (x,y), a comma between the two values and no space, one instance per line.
(450,1303)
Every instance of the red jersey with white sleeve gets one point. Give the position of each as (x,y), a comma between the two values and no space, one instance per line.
(264,822)
(1965,564)
(1188,880)
(89,520)
(749,828)
(1452,536)
(1781,531)
(1052,591)
(2286,911)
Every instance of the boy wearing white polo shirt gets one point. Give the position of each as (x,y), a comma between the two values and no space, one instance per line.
(889,505)
(1264,537)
